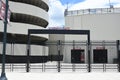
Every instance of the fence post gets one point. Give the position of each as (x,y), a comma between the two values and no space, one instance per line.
(58,45)
(118,53)
(28,53)
(89,54)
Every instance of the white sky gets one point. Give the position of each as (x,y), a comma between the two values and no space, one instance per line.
(56,12)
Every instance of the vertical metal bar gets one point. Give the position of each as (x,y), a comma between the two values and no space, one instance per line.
(73,67)
(105,67)
(59,43)
(13,54)
(89,54)
(3,75)
(28,53)
(118,53)
(43,59)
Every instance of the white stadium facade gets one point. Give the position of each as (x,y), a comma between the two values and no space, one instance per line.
(104,26)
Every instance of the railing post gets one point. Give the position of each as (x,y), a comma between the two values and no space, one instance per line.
(118,53)
(58,45)
(89,54)
(28,53)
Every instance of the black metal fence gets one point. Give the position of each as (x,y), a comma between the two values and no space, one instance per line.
(64,65)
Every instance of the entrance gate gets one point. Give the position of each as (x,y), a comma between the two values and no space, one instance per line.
(67,32)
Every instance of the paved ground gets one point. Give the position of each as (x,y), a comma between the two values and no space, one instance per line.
(63,76)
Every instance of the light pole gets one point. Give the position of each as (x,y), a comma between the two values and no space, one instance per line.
(3,75)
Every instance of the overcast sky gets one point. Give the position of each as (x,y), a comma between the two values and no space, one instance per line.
(57,7)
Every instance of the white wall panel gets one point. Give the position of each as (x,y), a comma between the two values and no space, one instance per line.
(101,26)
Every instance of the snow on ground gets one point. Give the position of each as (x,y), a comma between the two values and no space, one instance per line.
(64,76)
(104,72)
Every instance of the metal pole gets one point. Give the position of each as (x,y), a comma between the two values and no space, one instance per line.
(59,43)
(3,75)
(89,54)
(28,53)
(118,60)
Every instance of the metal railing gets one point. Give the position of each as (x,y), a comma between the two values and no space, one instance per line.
(64,67)
(92,11)
(112,47)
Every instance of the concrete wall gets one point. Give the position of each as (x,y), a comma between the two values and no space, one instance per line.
(53,39)
(111,50)
(101,26)
(20,49)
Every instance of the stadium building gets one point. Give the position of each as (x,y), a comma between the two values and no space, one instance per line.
(103,24)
